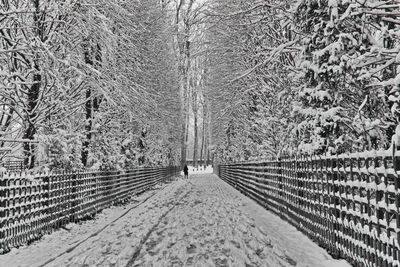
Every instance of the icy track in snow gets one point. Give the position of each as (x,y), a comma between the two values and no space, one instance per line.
(197,222)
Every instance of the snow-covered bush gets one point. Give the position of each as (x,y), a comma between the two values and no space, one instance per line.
(61,150)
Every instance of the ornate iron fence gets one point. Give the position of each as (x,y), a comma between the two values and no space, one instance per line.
(32,206)
(348,204)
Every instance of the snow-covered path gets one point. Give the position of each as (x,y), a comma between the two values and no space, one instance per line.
(197,222)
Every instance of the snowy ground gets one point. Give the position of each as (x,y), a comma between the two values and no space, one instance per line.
(197,222)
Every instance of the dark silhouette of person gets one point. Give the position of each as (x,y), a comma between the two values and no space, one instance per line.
(186,172)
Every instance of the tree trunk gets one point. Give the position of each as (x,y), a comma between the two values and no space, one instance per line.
(203,139)
(201,148)
(209,134)
(182,44)
(389,73)
(5,121)
(88,127)
(183,72)
(92,103)
(142,147)
(30,131)
(185,125)
(33,96)
(187,133)
(88,114)
(196,140)
(183,147)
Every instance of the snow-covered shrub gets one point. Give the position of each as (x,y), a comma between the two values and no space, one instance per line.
(61,150)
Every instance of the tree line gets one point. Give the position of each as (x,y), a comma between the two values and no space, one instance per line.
(303,76)
(90,81)
(122,83)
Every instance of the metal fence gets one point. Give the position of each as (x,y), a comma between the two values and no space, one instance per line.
(32,206)
(348,204)
(13,165)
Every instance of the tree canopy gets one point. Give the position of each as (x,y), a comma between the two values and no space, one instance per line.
(95,83)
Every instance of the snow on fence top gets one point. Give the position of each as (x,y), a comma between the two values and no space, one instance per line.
(33,206)
(349,204)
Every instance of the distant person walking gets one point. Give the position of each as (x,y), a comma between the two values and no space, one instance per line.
(186,171)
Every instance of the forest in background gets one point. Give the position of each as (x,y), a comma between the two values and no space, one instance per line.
(119,84)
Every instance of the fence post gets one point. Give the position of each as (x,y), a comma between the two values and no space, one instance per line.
(73,216)
(265,184)
(396,167)
(298,183)
(47,202)
(299,186)
(280,186)
(3,204)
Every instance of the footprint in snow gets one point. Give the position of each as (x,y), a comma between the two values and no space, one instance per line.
(289,260)
(191,249)
(190,261)
(150,245)
(171,244)
(235,243)
(221,261)
(226,251)
(268,243)
(175,261)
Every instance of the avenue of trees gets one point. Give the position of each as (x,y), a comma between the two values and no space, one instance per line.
(96,83)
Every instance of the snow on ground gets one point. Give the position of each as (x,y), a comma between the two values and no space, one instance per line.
(59,242)
(197,222)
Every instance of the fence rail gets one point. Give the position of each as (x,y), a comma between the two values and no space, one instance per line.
(32,206)
(349,204)
(13,165)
